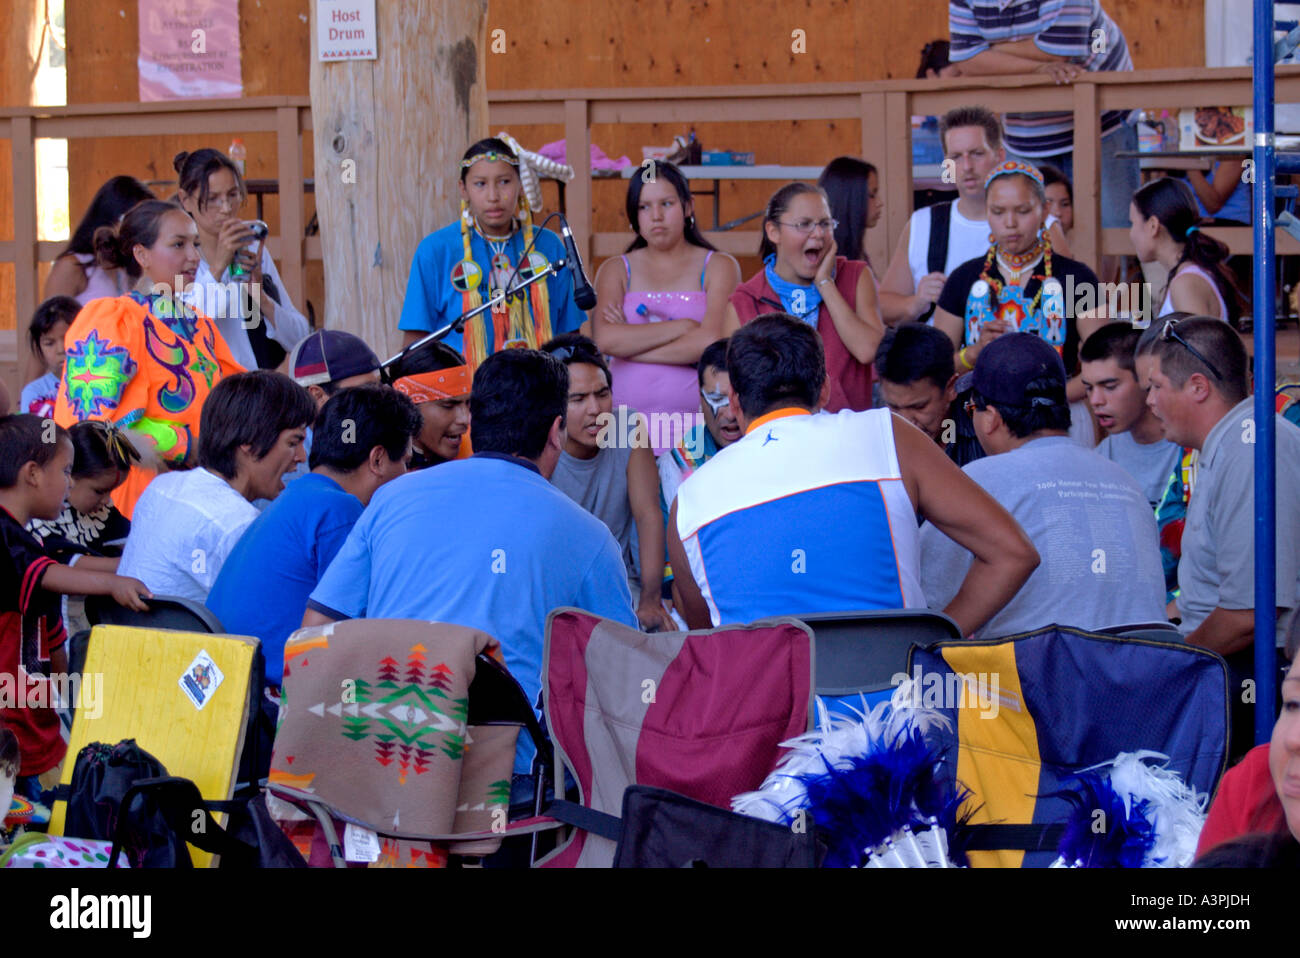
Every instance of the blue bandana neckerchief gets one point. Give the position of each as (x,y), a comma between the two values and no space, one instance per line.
(793,295)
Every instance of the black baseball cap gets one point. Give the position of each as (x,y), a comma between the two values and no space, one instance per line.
(329,355)
(1005,368)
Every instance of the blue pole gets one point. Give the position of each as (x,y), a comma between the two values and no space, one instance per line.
(1265,438)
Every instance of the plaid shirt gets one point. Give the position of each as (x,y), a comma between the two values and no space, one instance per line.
(1078,30)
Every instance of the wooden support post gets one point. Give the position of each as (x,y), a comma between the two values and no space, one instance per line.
(880,242)
(388,136)
(289,157)
(577,153)
(26,290)
(898,151)
(1085,241)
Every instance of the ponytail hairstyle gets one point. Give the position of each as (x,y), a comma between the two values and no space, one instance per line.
(845,181)
(111,201)
(1172,202)
(99,446)
(115,245)
(778,204)
(651,170)
(195,169)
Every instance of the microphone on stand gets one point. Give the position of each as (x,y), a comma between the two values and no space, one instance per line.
(583,294)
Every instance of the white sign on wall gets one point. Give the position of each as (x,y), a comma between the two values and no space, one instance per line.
(345,30)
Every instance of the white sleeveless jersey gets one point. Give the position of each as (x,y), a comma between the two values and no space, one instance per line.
(805,513)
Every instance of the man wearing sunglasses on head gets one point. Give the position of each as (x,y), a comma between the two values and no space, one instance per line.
(1200,391)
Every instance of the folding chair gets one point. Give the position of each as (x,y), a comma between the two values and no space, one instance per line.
(1055,701)
(860,654)
(165,612)
(396,743)
(183,696)
(1155,631)
(702,714)
(186,615)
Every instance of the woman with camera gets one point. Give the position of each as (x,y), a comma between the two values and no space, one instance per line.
(236,275)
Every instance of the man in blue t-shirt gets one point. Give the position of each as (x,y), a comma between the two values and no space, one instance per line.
(363,439)
(485,542)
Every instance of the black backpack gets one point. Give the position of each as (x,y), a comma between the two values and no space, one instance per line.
(121,793)
(936,254)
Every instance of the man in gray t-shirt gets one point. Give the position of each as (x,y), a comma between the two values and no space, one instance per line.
(608,468)
(1087,518)
(1135,438)
(1200,391)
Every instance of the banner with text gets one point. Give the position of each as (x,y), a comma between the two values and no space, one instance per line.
(189,49)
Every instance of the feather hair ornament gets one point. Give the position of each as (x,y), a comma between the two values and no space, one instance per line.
(531,166)
(872,785)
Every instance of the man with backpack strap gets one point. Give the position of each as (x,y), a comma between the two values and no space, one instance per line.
(939,238)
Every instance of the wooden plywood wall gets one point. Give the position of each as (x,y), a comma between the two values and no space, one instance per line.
(594,43)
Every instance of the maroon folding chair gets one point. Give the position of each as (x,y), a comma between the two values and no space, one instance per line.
(700,713)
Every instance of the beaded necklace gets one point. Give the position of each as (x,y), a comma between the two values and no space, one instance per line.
(1017,262)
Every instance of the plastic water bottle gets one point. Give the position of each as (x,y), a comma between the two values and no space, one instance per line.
(238,154)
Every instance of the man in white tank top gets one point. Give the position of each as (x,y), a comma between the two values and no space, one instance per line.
(818,513)
(972,142)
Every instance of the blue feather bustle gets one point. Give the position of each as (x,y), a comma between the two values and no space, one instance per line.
(873,783)
(871,799)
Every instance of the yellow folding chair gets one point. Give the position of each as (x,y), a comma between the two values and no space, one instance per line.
(183,696)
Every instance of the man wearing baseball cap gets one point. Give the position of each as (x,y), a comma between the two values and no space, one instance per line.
(329,360)
(1087,517)
(323,363)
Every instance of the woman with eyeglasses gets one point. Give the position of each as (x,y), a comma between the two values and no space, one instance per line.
(663,301)
(1164,228)
(803,276)
(235,265)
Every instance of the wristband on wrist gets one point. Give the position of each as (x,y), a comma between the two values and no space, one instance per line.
(961,355)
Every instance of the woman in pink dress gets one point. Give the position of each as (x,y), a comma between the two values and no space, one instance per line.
(660,304)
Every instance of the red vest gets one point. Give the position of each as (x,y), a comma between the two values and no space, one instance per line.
(850,380)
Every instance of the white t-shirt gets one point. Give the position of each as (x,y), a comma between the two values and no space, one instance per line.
(967,239)
(183,527)
(220,302)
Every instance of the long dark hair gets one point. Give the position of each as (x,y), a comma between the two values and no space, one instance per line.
(1172,202)
(648,172)
(114,245)
(194,170)
(111,201)
(848,193)
(778,204)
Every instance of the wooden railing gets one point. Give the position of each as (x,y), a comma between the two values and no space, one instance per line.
(883,110)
